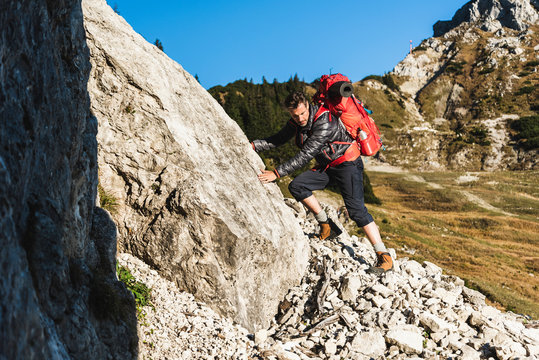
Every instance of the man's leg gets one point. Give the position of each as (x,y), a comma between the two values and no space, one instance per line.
(349,177)
(312,204)
(302,187)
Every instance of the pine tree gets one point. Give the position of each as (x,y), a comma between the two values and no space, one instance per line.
(159,44)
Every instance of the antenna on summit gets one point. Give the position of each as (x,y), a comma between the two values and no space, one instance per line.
(330,70)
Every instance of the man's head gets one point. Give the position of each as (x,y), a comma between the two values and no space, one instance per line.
(298,107)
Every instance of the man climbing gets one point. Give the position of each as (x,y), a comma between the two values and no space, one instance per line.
(325,139)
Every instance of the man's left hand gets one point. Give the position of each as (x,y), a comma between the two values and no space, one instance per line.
(267,176)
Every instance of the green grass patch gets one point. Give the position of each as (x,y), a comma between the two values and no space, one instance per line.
(140,291)
(106,200)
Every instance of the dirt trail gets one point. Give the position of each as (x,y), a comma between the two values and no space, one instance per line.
(373,165)
(485,205)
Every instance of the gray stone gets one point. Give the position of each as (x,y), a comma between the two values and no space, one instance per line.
(413,268)
(380,302)
(432,269)
(475,297)
(514,327)
(446,296)
(407,337)
(261,336)
(234,244)
(382,290)
(532,334)
(370,343)
(330,347)
(434,323)
(506,348)
(438,336)
(349,288)
(469,353)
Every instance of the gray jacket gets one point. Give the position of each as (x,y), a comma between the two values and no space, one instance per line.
(316,140)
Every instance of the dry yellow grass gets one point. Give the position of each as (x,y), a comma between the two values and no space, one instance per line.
(492,244)
(495,253)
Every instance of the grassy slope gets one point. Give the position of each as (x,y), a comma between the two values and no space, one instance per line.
(494,252)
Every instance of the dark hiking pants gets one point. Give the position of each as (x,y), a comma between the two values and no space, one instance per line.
(348,177)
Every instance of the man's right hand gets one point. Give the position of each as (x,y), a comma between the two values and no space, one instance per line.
(267,176)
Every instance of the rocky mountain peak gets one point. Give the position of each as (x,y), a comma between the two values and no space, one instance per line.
(491,15)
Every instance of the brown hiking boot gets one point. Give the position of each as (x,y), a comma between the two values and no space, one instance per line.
(329,230)
(383,264)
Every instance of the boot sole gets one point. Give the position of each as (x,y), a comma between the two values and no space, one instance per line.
(377,271)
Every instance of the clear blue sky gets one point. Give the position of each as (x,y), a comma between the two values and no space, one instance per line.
(223,41)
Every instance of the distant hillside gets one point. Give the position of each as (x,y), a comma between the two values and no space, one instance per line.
(466,100)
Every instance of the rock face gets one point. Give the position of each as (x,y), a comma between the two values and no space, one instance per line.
(60,296)
(184,176)
(491,15)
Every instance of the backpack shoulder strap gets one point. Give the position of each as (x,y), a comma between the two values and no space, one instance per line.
(321,111)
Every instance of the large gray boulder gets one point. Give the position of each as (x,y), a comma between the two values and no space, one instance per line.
(184,176)
(490,15)
(60,296)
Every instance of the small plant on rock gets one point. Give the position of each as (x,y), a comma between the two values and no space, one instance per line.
(107,201)
(140,291)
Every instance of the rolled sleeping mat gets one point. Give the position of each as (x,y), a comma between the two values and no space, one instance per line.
(341,89)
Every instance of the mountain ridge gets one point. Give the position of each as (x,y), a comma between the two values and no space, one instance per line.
(455,102)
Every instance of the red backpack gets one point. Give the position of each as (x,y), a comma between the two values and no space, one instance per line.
(335,95)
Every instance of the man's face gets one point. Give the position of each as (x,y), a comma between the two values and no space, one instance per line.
(300,114)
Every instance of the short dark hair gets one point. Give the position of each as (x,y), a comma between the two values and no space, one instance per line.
(293,100)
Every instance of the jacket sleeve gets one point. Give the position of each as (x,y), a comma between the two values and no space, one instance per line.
(278,139)
(313,146)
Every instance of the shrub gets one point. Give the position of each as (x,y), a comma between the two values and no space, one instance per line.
(478,135)
(527,131)
(158,44)
(455,67)
(373,77)
(389,82)
(525,90)
(486,71)
(129,109)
